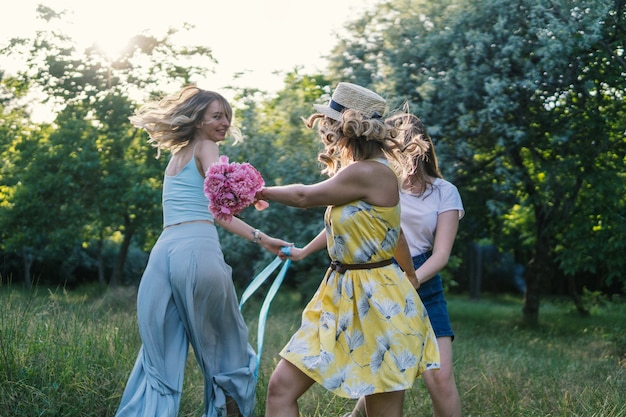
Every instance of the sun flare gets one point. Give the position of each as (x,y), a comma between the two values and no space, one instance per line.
(111,47)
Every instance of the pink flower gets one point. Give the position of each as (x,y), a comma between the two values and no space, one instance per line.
(231,187)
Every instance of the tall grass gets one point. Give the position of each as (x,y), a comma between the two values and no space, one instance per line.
(60,352)
(69,353)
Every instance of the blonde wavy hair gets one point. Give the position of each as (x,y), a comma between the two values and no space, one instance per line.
(423,165)
(357,138)
(171,122)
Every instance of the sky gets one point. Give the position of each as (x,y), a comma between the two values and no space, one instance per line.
(254,37)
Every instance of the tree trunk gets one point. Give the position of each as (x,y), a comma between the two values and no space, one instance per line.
(118,268)
(539,270)
(532,296)
(100,260)
(573,292)
(475,270)
(27,258)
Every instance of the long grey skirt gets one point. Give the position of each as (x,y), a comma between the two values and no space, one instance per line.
(186,296)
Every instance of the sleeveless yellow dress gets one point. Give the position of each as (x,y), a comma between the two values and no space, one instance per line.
(364,331)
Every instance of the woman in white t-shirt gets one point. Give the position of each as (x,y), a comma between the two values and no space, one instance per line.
(431,210)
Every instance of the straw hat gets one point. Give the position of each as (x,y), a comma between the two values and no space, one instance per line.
(354,97)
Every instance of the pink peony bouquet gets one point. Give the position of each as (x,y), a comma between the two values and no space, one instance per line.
(231,187)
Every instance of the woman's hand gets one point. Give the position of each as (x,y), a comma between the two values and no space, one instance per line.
(295,254)
(415,280)
(273,244)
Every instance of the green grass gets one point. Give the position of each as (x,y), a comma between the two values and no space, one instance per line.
(69,353)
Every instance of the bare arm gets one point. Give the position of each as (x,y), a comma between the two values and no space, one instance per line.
(369,181)
(402,255)
(242,229)
(447,226)
(316,244)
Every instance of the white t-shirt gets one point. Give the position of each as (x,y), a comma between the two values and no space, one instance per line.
(419,213)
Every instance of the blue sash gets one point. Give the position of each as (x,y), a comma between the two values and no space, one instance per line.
(253,286)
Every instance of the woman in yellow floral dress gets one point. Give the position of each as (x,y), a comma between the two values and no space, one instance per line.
(365,332)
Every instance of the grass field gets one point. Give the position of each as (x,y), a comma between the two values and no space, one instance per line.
(69,353)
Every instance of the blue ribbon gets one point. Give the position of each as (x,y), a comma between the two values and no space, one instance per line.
(253,286)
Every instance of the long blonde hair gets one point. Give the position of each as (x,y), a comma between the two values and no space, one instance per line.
(423,165)
(171,122)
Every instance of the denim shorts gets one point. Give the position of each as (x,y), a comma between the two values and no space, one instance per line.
(431,293)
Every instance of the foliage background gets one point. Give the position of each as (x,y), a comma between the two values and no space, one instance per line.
(524,101)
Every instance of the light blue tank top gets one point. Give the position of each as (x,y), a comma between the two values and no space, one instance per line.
(183,196)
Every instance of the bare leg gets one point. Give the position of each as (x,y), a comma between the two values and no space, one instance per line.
(441,384)
(359,408)
(286,385)
(388,404)
(231,408)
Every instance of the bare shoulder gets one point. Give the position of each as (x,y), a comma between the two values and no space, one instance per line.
(206,149)
(379,182)
(204,146)
(371,170)
(206,153)
(367,167)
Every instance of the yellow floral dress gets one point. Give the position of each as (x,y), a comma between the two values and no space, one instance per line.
(364,331)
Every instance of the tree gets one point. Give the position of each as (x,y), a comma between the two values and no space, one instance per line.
(112,182)
(18,211)
(525,103)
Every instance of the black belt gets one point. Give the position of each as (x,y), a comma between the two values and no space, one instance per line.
(341,268)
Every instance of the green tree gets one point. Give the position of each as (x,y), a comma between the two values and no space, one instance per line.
(20,213)
(12,125)
(100,168)
(525,103)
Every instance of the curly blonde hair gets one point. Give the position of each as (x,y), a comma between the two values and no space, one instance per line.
(357,138)
(171,122)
